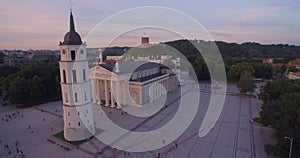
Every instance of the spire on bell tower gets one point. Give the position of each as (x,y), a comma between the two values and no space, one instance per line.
(72,26)
(71,37)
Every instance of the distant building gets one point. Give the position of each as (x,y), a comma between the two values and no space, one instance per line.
(18,57)
(266,60)
(295,63)
(294,75)
(145,40)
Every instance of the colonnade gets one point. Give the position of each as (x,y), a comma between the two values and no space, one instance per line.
(106,92)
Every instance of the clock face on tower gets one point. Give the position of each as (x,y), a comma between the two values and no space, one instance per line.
(63,51)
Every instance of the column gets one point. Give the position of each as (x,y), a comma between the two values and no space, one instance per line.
(99,91)
(126,92)
(106,93)
(112,90)
(96,91)
(93,91)
(118,95)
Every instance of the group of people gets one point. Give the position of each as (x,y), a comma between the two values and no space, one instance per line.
(9,117)
(18,150)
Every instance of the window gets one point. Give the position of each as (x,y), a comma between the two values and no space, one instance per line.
(86,111)
(68,113)
(74,76)
(66,97)
(76,99)
(73,55)
(78,113)
(85,97)
(78,123)
(69,124)
(64,76)
(83,75)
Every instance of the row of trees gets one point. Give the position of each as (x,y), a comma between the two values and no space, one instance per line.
(30,84)
(281,111)
(247,50)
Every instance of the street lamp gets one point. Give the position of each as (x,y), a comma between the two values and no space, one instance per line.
(291,145)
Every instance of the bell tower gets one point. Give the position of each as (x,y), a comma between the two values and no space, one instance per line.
(75,87)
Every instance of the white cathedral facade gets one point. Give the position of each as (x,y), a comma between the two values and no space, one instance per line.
(134,83)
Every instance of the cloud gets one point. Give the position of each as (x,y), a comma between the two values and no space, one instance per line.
(241,17)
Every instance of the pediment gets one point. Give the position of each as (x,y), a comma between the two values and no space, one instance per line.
(100,72)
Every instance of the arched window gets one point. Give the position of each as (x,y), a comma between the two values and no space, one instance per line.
(68,113)
(73,54)
(85,96)
(78,123)
(76,97)
(74,76)
(64,76)
(83,75)
(66,97)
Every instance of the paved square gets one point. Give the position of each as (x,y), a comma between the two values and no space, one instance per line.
(233,135)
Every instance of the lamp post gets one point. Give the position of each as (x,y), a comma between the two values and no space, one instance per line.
(291,145)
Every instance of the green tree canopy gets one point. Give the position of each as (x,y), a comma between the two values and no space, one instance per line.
(34,83)
(246,83)
(282,113)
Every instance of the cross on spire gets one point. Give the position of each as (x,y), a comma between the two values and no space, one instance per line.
(70,5)
(72,27)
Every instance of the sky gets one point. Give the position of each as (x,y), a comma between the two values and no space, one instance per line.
(36,24)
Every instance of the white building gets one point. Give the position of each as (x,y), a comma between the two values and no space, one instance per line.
(75,87)
(115,85)
(130,83)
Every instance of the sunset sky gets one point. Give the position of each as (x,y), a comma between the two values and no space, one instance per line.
(40,24)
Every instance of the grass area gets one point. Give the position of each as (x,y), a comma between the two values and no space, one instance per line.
(60,135)
(258,120)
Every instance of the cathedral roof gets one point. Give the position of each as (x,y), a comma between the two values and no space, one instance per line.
(71,37)
(129,67)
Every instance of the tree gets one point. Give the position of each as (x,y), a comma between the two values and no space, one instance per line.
(37,90)
(6,70)
(262,70)
(201,69)
(246,83)
(34,83)
(16,89)
(282,113)
(235,71)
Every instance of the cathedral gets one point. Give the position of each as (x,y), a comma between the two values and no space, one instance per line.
(129,83)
